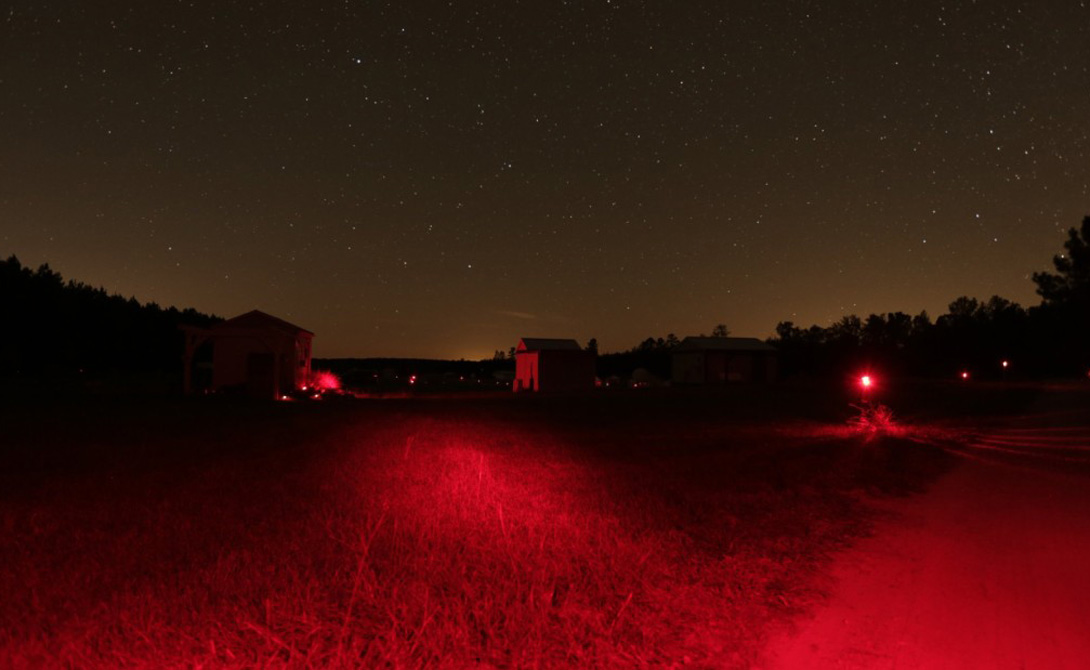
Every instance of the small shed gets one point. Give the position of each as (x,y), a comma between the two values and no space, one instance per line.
(723,360)
(543,364)
(255,353)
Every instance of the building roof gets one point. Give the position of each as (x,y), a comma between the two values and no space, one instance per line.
(258,320)
(546,344)
(723,344)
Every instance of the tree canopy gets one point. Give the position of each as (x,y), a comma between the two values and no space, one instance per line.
(1070,284)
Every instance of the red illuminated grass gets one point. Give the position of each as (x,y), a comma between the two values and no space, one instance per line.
(422,534)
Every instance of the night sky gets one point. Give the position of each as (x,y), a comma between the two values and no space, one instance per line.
(438,179)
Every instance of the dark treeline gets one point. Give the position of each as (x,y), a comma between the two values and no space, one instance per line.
(427,374)
(1049,339)
(652,355)
(974,337)
(54,328)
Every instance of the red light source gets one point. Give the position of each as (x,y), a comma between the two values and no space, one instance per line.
(323,380)
(866,381)
(1005,364)
(412,380)
(964,375)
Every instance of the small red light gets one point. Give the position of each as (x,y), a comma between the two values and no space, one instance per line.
(1005,364)
(865,380)
(412,379)
(964,375)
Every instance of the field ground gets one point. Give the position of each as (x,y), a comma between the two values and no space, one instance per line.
(988,570)
(634,529)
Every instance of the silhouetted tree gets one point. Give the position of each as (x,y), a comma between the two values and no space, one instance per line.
(921,324)
(62,330)
(848,331)
(720,330)
(592,345)
(1071,282)
(1060,326)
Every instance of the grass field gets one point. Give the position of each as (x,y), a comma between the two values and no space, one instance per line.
(662,529)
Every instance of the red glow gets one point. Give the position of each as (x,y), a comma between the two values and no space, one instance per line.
(412,379)
(875,418)
(323,380)
(866,381)
(964,375)
(1005,363)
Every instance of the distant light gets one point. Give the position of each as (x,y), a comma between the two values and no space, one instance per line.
(1005,363)
(412,379)
(866,381)
(964,375)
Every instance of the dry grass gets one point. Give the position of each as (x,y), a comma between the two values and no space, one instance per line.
(428,533)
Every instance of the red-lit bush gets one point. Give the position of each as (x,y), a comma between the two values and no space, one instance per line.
(323,380)
(873,418)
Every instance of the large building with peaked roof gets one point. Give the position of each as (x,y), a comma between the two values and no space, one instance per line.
(723,360)
(255,353)
(543,364)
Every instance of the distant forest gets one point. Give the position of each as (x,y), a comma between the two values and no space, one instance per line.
(69,329)
(64,330)
(1051,339)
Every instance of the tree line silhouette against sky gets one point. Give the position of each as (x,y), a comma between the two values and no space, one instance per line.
(70,328)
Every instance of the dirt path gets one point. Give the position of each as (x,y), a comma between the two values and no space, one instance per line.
(989,569)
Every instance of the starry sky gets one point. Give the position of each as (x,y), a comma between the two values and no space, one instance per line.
(438,179)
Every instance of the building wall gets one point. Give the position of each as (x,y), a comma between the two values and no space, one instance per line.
(261,364)
(688,367)
(526,371)
(300,376)
(554,371)
(741,367)
(721,367)
(566,371)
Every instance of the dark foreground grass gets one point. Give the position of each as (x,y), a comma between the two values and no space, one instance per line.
(618,531)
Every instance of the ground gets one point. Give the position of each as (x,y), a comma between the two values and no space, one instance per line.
(666,529)
(986,570)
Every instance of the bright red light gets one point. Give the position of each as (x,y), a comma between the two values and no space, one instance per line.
(323,380)
(964,375)
(412,379)
(866,381)
(1005,363)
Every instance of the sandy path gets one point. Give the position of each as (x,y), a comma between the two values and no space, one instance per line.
(989,569)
